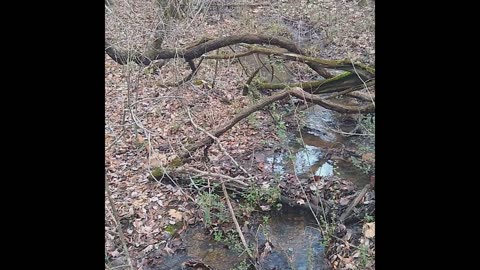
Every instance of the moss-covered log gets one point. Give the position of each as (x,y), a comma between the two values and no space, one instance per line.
(338,83)
(364,71)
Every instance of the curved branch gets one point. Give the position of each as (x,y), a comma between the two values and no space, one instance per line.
(120,55)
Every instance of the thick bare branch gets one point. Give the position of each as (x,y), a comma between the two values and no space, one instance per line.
(119,55)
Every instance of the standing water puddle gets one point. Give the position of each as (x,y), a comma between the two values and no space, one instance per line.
(312,157)
(288,239)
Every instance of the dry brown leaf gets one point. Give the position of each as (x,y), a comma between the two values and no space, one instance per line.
(140,139)
(369,158)
(115,253)
(175,214)
(344,201)
(369,230)
(158,159)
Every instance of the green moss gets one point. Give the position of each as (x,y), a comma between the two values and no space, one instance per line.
(157,172)
(170,229)
(177,162)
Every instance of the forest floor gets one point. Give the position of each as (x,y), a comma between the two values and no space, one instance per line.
(146,123)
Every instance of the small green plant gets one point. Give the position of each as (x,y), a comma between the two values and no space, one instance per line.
(233,241)
(242,266)
(218,236)
(364,257)
(328,233)
(369,218)
(170,229)
(280,124)
(281,130)
(214,209)
(367,146)
(253,121)
(253,93)
(364,167)
(255,195)
(265,219)
(265,143)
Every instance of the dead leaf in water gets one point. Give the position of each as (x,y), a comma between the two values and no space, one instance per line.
(301,202)
(265,207)
(261,166)
(168,250)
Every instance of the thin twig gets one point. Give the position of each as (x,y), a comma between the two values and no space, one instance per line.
(217,175)
(218,142)
(249,81)
(366,87)
(306,197)
(237,226)
(187,78)
(265,66)
(216,70)
(239,61)
(115,141)
(118,224)
(271,65)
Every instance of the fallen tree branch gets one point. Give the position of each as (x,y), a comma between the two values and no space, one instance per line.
(122,56)
(351,90)
(354,202)
(361,96)
(181,177)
